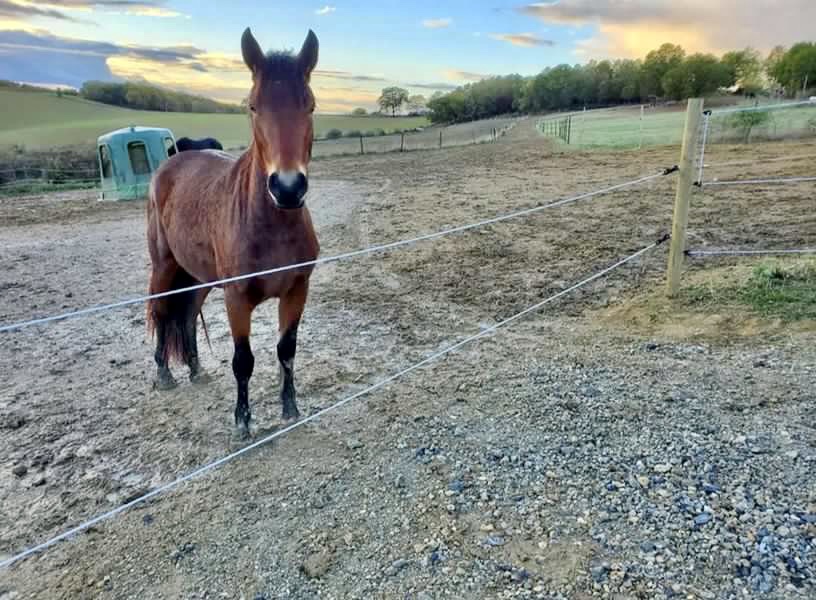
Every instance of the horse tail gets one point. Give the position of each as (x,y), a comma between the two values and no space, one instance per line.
(171,316)
(204,326)
(152,243)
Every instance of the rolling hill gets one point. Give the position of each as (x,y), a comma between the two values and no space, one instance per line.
(40,120)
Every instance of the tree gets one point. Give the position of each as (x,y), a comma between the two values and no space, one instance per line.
(698,75)
(147,97)
(416,103)
(772,62)
(745,68)
(796,68)
(392,99)
(359,112)
(627,75)
(657,64)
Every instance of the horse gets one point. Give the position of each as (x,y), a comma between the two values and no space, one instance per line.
(184,144)
(212,216)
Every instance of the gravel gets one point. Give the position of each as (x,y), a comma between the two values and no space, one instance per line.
(559,459)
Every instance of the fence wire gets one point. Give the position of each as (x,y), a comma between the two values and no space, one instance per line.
(330,259)
(381,383)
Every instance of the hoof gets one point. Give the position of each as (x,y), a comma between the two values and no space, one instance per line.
(290,414)
(242,432)
(165,384)
(242,421)
(201,378)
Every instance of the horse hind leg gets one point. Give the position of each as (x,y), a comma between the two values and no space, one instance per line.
(160,319)
(197,375)
(174,319)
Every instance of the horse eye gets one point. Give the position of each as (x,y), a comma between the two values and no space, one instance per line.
(252,107)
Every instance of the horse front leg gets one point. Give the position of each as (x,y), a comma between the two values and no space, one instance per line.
(290,310)
(239,312)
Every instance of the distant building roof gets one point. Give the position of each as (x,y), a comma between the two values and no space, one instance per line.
(133,130)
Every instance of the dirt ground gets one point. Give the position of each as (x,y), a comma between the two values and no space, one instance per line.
(328,509)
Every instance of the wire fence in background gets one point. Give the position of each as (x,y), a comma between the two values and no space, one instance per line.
(641,126)
(763,123)
(19,179)
(754,124)
(460,134)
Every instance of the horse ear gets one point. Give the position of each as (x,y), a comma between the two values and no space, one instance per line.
(307,58)
(253,55)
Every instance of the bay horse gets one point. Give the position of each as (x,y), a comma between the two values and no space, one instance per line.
(185,144)
(211,216)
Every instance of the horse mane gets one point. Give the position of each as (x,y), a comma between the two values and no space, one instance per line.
(282,66)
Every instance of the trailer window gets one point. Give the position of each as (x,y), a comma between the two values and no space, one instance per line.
(105,162)
(169,146)
(137,152)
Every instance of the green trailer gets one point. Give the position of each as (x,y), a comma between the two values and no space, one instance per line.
(129,157)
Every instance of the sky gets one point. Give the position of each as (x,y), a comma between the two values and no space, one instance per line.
(422,45)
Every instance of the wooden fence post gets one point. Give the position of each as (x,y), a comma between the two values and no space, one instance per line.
(685,184)
(440,138)
(362,149)
(569,129)
(402,142)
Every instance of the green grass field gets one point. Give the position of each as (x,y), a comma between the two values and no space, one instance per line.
(38,120)
(621,128)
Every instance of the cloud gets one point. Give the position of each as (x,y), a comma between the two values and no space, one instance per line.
(329,74)
(61,9)
(457,75)
(14,11)
(633,27)
(433,86)
(581,12)
(326,10)
(437,23)
(89,4)
(154,11)
(525,40)
(40,57)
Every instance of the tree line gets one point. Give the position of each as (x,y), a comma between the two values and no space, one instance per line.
(147,97)
(667,73)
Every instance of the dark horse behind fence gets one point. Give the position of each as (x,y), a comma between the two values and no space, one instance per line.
(184,144)
(212,216)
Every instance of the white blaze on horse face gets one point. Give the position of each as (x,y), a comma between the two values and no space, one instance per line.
(288,178)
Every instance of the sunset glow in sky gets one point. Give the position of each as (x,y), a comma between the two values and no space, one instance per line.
(194,45)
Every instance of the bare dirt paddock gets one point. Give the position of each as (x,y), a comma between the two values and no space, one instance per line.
(577,454)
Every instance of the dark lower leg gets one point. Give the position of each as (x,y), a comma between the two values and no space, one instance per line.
(164,378)
(286,356)
(191,337)
(191,347)
(243,363)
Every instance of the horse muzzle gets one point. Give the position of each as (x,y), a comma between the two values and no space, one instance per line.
(288,189)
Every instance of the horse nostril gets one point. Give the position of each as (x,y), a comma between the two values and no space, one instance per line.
(273,184)
(288,187)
